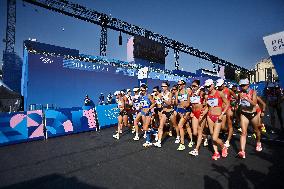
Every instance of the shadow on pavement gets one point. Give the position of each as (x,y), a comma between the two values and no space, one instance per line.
(53,181)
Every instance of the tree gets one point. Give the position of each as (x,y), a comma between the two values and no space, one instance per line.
(241,75)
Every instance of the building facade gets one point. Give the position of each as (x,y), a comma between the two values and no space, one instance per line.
(264,71)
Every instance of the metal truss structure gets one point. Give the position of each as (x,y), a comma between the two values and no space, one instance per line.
(106,21)
(103,41)
(11,26)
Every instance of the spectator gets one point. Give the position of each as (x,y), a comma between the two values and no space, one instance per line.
(109,98)
(101,99)
(88,101)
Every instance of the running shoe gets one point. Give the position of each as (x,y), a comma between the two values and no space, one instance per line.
(133,129)
(158,144)
(116,136)
(190,144)
(170,133)
(177,140)
(194,152)
(227,144)
(147,144)
(205,143)
(181,147)
(136,138)
(242,154)
(216,156)
(224,152)
(258,147)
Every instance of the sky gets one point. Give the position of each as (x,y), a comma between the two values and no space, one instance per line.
(231,30)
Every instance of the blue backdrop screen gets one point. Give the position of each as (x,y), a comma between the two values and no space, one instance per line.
(48,81)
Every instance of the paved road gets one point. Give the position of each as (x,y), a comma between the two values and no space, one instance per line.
(96,160)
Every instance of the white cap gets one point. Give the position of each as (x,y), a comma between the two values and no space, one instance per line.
(244,82)
(128,90)
(153,94)
(219,82)
(116,93)
(122,92)
(135,89)
(208,82)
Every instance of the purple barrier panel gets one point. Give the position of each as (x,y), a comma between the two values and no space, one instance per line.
(58,122)
(28,126)
(13,128)
(90,114)
(35,125)
(84,119)
(69,120)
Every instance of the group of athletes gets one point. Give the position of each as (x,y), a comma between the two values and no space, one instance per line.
(197,111)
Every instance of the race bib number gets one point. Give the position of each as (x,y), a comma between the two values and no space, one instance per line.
(166,98)
(159,101)
(244,103)
(212,102)
(119,104)
(182,97)
(144,103)
(195,99)
(136,105)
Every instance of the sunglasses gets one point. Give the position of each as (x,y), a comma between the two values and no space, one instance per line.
(174,89)
(194,86)
(208,86)
(155,91)
(243,85)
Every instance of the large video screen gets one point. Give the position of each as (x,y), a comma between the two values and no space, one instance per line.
(230,73)
(149,50)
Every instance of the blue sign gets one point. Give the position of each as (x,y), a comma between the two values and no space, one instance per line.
(107,115)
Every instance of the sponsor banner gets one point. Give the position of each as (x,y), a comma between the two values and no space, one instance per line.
(274,43)
(107,115)
(275,46)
